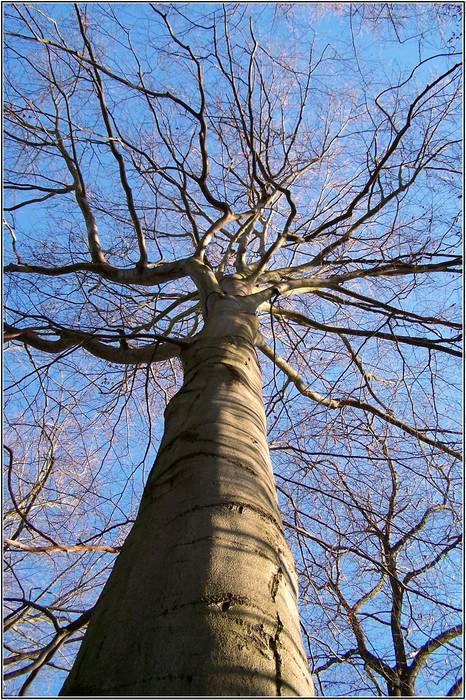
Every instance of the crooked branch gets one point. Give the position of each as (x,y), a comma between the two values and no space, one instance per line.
(299,383)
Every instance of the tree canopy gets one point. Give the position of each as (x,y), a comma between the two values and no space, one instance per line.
(313,151)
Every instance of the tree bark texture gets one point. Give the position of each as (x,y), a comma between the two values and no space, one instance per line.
(202,599)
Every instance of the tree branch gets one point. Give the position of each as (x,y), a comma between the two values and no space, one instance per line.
(68,339)
(294,376)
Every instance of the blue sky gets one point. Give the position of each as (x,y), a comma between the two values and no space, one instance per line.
(44,229)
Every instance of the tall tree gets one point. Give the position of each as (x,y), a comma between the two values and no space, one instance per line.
(220,219)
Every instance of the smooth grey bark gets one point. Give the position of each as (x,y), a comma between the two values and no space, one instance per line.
(202,599)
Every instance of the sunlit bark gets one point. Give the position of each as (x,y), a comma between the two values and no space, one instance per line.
(202,181)
(202,599)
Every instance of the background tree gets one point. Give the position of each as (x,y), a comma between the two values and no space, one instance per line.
(162,150)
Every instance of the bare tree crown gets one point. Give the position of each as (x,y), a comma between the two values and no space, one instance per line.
(161,158)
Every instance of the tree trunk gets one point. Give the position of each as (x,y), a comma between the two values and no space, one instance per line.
(202,599)
(402,689)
